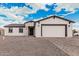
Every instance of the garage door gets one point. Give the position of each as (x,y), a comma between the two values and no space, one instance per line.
(53,31)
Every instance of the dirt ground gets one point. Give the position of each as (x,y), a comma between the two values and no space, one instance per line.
(31,46)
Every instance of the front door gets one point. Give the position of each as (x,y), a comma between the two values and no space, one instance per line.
(31,31)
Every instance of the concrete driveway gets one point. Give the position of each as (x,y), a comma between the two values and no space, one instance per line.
(68,45)
(31,46)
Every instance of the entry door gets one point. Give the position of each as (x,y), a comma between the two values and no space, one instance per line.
(53,31)
(31,31)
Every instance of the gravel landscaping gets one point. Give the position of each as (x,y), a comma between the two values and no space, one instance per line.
(31,46)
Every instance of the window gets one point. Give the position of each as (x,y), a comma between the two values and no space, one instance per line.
(10,30)
(20,30)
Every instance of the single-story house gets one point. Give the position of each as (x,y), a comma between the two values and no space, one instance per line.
(52,26)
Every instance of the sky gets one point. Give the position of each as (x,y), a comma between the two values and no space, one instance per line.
(23,12)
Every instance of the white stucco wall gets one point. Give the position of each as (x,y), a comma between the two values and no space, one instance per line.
(52,21)
(69,30)
(15,32)
(29,24)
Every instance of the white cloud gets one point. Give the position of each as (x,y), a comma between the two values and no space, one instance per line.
(68,6)
(3,22)
(14,11)
(37,6)
(76,25)
(12,14)
(20,10)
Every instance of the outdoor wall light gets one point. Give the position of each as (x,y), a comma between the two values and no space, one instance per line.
(68,25)
(38,23)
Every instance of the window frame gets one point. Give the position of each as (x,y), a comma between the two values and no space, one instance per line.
(10,30)
(20,29)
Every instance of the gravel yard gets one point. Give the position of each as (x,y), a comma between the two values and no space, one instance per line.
(31,46)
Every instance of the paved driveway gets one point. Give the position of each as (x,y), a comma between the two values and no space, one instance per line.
(29,46)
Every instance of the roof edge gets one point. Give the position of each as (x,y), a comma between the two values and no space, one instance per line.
(54,17)
(50,17)
(14,25)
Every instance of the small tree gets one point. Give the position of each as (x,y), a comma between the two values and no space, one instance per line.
(74,31)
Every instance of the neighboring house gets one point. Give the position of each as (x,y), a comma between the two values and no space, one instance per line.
(1,31)
(52,26)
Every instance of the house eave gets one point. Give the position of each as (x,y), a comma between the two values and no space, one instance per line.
(54,17)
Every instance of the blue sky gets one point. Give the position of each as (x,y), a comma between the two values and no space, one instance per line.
(22,12)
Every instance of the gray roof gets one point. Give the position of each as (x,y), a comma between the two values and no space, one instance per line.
(52,17)
(15,25)
(55,17)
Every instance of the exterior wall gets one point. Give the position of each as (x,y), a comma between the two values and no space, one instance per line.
(29,24)
(15,32)
(52,21)
(69,30)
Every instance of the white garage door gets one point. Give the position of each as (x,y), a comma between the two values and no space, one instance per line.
(53,31)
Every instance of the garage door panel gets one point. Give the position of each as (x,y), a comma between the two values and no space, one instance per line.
(53,31)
